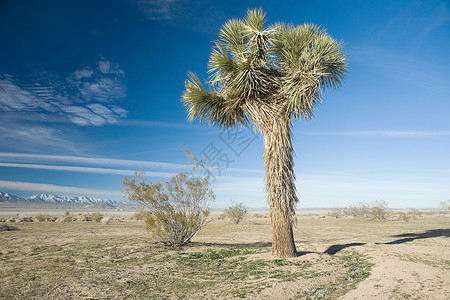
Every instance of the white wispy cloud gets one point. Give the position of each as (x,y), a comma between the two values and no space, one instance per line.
(386,133)
(91,160)
(85,97)
(439,17)
(101,90)
(83,73)
(405,68)
(156,9)
(121,172)
(58,189)
(16,98)
(158,124)
(418,18)
(23,137)
(19,158)
(108,67)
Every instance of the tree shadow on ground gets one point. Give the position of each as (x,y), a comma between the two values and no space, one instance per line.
(333,249)
(301,253)
(405,237)
(409,237)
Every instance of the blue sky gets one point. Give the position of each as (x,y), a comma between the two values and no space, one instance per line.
(90,91)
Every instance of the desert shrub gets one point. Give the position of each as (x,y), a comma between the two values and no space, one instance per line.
(141,215)
(259,216)
(357,210)
(177,208)
(409,215)
(404,216)
(430,213)
(107,219)
(97,217)
(336,212)
(414,213)
(445,205)
(25,219)
(376,210)
(5,227)
(236,212)
(222,216)
(68,217)
(85,218)
(43,218)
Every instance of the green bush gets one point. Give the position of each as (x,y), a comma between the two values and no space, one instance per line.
(177,208)
(236,212)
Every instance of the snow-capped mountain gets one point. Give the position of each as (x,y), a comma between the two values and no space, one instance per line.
(5,197)
(57,199)
(65,199)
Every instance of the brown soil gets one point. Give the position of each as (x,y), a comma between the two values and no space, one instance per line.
(90,260)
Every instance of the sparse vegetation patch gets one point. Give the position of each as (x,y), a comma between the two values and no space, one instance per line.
(114,261)
(95,260)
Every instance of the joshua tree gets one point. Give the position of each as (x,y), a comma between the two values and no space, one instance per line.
(268,76)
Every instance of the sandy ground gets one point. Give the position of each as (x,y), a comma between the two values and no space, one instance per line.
(417,270)
(411,260)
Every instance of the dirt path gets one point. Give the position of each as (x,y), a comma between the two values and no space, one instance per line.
(416,269)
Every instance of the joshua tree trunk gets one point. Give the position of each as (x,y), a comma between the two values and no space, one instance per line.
(280,187)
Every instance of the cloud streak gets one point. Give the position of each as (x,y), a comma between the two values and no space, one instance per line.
(22,137)
(20,157)
(120,172)
(412,70)
(156,9)
(90,160)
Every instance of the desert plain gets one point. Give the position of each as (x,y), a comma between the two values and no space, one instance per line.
(338,258)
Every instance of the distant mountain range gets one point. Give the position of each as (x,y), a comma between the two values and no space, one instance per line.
(49,199)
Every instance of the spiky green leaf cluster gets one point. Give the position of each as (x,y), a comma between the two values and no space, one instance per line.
(283,63)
